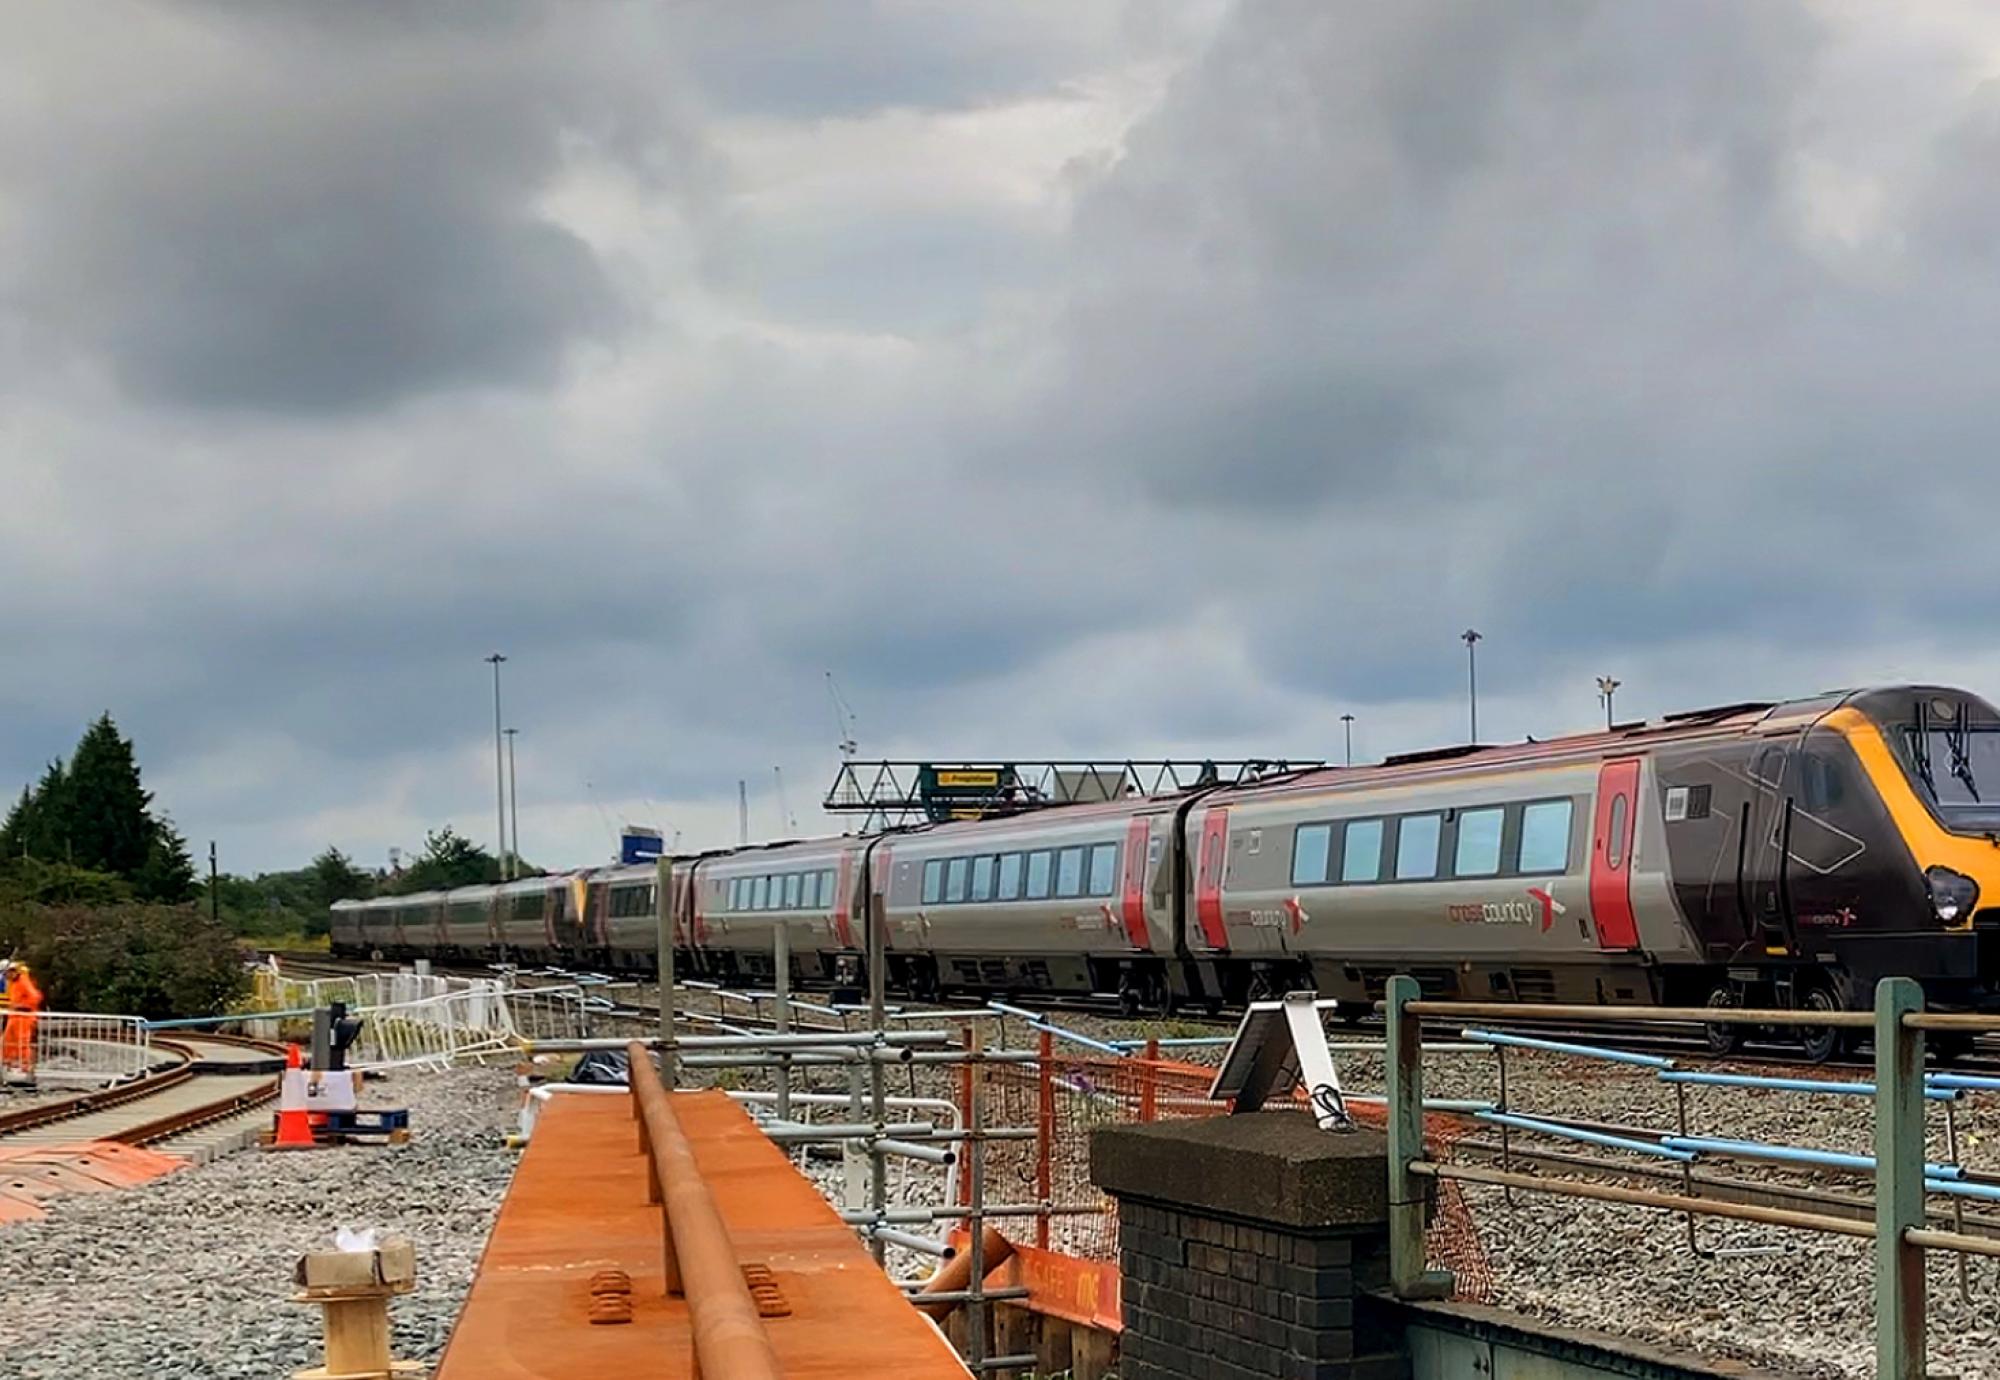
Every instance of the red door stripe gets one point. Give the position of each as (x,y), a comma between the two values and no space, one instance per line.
(843,902)
(1208,877)
(1136,838)
(1613,832)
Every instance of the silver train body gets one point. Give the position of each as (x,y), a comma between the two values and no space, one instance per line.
(1675,860)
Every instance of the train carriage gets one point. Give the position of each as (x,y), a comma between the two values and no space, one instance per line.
(1785,854)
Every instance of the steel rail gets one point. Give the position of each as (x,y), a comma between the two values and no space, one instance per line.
(730,1342)
(48,1113)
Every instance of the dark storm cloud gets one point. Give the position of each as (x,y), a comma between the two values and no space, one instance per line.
(345,345)
(1525,316)
(311,208)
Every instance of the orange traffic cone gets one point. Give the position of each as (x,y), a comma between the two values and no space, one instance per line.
(294,1126)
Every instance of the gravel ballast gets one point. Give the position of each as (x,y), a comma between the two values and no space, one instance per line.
(189,1276)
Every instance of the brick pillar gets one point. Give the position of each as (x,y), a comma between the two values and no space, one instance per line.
(1246,1244)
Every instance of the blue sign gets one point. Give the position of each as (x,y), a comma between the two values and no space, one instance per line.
(639,845)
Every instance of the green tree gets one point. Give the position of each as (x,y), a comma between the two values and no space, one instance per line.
(39,824)
(336,878)
(152,961)
(167,873)
(449,859)
(110,829)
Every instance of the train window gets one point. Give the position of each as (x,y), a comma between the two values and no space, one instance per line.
(1310,848)
(826,890)
(1009,888)
(954,879)
(792,881)
(736,893)
(1545,837)
(1614,847)
(1822,788)
(528,906)
(1041,871)
(760,892)
(933,881)
(1361,851)
(1417,846)
(1103,869)
(1069,872)
(1479,842)
(982,878)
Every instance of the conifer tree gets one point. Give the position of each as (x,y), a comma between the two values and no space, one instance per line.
(109,827)
(167,874)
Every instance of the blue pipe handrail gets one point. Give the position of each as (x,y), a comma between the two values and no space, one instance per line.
(1803,1085)
(1615,1056)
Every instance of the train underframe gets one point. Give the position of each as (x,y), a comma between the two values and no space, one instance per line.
(1958,969)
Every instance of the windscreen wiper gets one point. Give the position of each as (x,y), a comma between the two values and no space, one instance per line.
(1920,750)
(1961,764)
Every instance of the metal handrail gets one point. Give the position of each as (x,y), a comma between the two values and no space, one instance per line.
(700,1260)
(1903,1176)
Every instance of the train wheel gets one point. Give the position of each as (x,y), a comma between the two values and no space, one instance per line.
(1722,1039)
(1821,1042)
(1129,996)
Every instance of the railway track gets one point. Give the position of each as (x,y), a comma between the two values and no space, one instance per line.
(207,1079)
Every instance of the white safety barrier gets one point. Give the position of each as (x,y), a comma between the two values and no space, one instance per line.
(413,1020)
(75,1047)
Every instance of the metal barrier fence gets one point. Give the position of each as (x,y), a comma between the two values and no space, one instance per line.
(1067,1097)
(413,1020)
(1903,1177)
(78,1047)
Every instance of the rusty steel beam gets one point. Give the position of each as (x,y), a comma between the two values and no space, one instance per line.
(729,1338)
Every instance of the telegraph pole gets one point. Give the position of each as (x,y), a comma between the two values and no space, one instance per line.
(742,812)
(1470,637)
(514,796)
(499,771)
(1347,723)
(214,882)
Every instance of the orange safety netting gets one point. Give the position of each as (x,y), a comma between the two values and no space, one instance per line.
(1067,1098)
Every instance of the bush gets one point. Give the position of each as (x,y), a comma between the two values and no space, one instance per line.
(136,960)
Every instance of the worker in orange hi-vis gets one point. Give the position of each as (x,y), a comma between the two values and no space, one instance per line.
(17,1040)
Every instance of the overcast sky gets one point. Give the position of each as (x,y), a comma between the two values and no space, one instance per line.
(1067,379)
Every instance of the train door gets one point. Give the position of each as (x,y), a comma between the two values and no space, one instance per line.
(843,903)
(1209,867)
(1613,835)
(1137,836)
(1766,883)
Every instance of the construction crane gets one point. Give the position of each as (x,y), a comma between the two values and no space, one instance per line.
(843,719)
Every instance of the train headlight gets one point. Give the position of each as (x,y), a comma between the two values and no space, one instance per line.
(1953,894)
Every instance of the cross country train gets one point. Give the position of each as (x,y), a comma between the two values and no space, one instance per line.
(1776,854)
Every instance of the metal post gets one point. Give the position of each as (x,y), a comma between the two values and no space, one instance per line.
(1471,636)
(664,916)
(1899,1182)
(781,1009)
(214,885)
(513,799)
(1347,724)
(878,1019)
(499,772)
(1045,1136)
(1405,1078)
(975,1303)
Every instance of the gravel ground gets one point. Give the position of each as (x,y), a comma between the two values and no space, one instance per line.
(1805,1307)
(189,1276)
